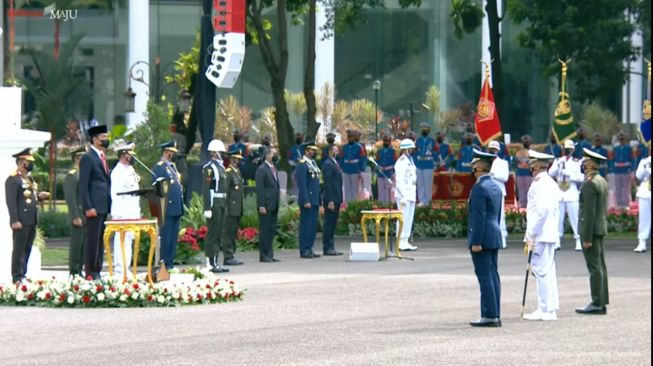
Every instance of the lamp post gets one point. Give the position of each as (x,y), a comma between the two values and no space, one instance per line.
(137,74)
(376,85)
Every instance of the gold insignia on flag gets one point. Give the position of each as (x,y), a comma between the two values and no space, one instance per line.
(646,111)
(485,110)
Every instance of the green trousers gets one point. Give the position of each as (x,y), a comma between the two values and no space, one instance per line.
(595,261)
(213,241)
(76,250)
(230,232)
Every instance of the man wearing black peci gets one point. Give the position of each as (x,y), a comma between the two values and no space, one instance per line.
(267,201)
(332,199)
(94,196)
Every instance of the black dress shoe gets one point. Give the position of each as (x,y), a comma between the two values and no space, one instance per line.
(315,255)
(306,256)
(592,309)
(218,269)
(331,252)
(266,260)
(276,260)
(486,322)
(232,262)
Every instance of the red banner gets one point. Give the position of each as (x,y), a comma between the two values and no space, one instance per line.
(457,186)
(486,119)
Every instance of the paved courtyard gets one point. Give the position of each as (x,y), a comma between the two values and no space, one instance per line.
(328,311)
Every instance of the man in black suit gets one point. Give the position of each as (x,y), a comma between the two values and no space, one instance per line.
(95,198)
(21,194)
(332,198)
(267,201)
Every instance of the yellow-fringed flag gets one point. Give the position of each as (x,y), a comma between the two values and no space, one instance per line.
(563,123)
(486,119)
(645,125)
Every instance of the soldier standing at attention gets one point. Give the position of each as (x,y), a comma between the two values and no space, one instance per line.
(593,228)
(445,153)
(643,174)
(166,169)
(351,156)
(541,236)
(75,216)
(406,191)
(466,154)
(386,157)
(484,238)
(234,209)
(523,171)
(308,198)
(623,169)
(331,140)
(426,151)
(214,191)
(581,144)
(331,200)
(500,172)
(21,195)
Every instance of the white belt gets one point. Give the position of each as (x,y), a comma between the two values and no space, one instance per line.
(218,195)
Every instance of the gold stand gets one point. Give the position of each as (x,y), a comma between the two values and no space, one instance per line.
(136,226)
(378,216)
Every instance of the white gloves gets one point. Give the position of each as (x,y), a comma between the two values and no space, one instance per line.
(208,214)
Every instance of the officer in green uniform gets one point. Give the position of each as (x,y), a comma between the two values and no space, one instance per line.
(75,216)
(234,210)
(214,192)
(21,196)
(593,226)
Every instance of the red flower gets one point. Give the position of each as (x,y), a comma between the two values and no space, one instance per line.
(150,298)
(48,296)
(62,297)
(76,288)
(30,297)
(86,299)
(99,288)
(23,288)
(190,230)
(135,286)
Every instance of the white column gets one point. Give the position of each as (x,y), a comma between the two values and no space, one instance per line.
(139,50)
(485,40)
(631,92)
(12,140)
(324,61)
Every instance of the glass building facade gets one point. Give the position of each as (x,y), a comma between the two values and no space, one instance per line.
(408,50)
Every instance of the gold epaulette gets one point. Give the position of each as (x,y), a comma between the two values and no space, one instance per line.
(160,162)
(14,173)
(72,171)
(229,170)
(302,160)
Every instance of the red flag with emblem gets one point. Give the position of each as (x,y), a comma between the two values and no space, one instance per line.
(486,120)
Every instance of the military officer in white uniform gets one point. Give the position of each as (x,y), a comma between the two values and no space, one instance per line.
(643,175)
(124,207)
(542,217)
(500,172)
(566,170)
(406,191)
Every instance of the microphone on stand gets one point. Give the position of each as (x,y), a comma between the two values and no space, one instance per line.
(371,160)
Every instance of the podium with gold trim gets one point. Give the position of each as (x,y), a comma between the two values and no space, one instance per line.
(121,227)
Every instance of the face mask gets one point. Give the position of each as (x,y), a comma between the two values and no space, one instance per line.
(298,141)
(275,158)
(386,144)
(331,141)
(173,157)
(553,141)
(131,161)
(527,145)
(468,141)
(236,138)
(439,140)
(29,167)
(568,151)
(425,133)
(104,143)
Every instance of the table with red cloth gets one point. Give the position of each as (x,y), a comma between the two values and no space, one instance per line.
(457,186)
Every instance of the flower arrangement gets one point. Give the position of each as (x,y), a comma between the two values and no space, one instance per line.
(190,243)
(112,292)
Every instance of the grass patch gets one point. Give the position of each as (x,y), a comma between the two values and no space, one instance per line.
(54,257)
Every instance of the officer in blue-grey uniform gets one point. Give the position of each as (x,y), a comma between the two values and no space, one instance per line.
(640,153)
(386,157)
(166,169)
(605,167)
(466,154)
(351,156)
(444,157)
(238,145)
(484,238)
(308,198)
(426,151)
(623,169)
(553,147)
(581,143)
(295,152)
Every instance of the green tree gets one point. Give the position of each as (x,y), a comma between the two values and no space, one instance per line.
(59,91)
(594,34)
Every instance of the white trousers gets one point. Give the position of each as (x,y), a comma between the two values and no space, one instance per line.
(544,270)
(644,225)
(408,214)
(571,208)
(116,253)
(502,221)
